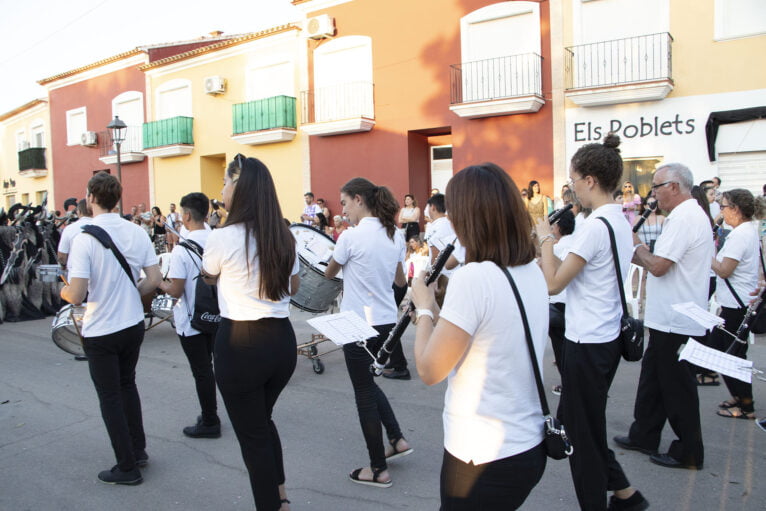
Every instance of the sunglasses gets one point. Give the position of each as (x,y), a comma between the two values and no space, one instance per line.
(240,159)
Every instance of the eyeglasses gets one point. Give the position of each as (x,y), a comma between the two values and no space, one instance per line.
(724,206)
(658,185)
(572,181)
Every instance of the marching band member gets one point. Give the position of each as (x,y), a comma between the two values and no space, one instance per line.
(493,422)
(592,345)
(113,326)
(253,260)
(370,255)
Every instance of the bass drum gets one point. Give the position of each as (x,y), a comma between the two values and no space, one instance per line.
(162,308)
(316,294)
(65,333)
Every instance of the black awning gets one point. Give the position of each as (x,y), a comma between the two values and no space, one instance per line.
(728,117)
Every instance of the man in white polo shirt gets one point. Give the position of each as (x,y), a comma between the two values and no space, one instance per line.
(678,269)
(439,234)
(72,230)
(113,325)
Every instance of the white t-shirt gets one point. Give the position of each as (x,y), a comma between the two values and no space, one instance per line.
(593,297)
(238,290)
(715,210)
(113,300)
(743,245)
(491,407)
(686,241)
(184,265)
(173,219)
(311,210)
(440,234)
(560,250)
(369,259)
(72,230)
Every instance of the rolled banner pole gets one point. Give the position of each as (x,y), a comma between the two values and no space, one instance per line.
(395,335)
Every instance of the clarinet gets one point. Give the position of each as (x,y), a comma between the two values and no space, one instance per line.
(554,216)
(377,366)
(752,311)
(644,216)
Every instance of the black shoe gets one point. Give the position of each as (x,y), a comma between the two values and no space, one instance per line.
(202,430)
(117,476)
(761,423)
(635,502)
(397,374)
(142,459)
(666,460)
(81,357)
(626,443)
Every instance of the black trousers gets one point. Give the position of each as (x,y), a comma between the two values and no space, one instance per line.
(723,342)
(412,229)
(199,352)
(397,360)
(254,360)
(556,329)
(667,391)
(371,403)
(112,363)
(586,374)
(499,485)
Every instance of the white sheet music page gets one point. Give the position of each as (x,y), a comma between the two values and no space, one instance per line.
(719,361)
(343,328)
(698,314)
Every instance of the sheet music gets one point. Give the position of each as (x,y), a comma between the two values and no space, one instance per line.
(343,328)
(719,361)
(698,314)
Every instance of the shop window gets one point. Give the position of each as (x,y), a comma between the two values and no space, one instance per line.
(639,172)
(76,125)
(739,18)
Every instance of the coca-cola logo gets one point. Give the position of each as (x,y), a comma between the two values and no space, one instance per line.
(210,318)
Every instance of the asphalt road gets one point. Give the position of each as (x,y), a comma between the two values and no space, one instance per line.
(53,441)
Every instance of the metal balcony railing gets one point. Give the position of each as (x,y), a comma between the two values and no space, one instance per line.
(498,78)
(337,102)
(173,131)
(133,142)
(263,114)
(32,158)
(622,61)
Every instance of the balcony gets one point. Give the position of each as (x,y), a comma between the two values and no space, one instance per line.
(32,162)
(338,109)
(168,137)
(620,71)
(264,121)
(131,150)
(499,86)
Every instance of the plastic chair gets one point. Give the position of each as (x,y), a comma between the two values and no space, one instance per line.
(634,283)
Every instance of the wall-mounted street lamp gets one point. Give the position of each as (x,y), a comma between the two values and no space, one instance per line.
(117,130)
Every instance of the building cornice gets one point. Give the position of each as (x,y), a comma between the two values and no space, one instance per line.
(93,65)
(220,46)
(22,108)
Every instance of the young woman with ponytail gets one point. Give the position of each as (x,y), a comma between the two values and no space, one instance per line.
(371,256)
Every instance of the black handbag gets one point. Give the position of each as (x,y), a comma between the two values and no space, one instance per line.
(757,319)
(556,442)
(631,329)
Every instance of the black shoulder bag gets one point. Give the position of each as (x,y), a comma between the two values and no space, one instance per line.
(758,321)
(102,236)
(631,329)
(557,445)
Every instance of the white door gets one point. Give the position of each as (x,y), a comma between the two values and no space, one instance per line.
(343,79)
(441,166)
(130,110)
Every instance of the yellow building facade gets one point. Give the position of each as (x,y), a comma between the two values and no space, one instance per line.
(207,105)
(676,79)
(25,159)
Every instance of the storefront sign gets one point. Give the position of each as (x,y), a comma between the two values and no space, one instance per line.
(631,128)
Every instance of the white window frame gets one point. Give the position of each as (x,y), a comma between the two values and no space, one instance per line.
(719,26)
(21,139)
(37,126)
(178,83)
(75,138)
(493,12)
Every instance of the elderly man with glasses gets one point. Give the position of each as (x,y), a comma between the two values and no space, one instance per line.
(667,388)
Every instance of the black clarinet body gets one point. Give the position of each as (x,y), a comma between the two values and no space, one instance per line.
(644,216)
(395,335)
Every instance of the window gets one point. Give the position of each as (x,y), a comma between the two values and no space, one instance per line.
(593,20)
(174,99)
(270,80)
(21,140)
(129,107)
(76,125)
(10,200)
(41,196)
(38,134)
(343,79)
(25,198)
(739,18)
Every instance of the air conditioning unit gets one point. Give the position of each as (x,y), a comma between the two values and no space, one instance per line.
(215,85)
(320,27)
(89,138)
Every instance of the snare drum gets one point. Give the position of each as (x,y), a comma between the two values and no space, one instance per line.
(49,272)
(316,293)
(64,332)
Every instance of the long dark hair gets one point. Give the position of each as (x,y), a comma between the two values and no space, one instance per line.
(698,193)
(378,199)
(489,216)
(255,204)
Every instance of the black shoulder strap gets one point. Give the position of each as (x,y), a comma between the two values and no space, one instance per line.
(735,295)
(616,258)
(106,240)
(194,248)
(530,345)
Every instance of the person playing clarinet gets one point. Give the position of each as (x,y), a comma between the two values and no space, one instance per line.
(370,255)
